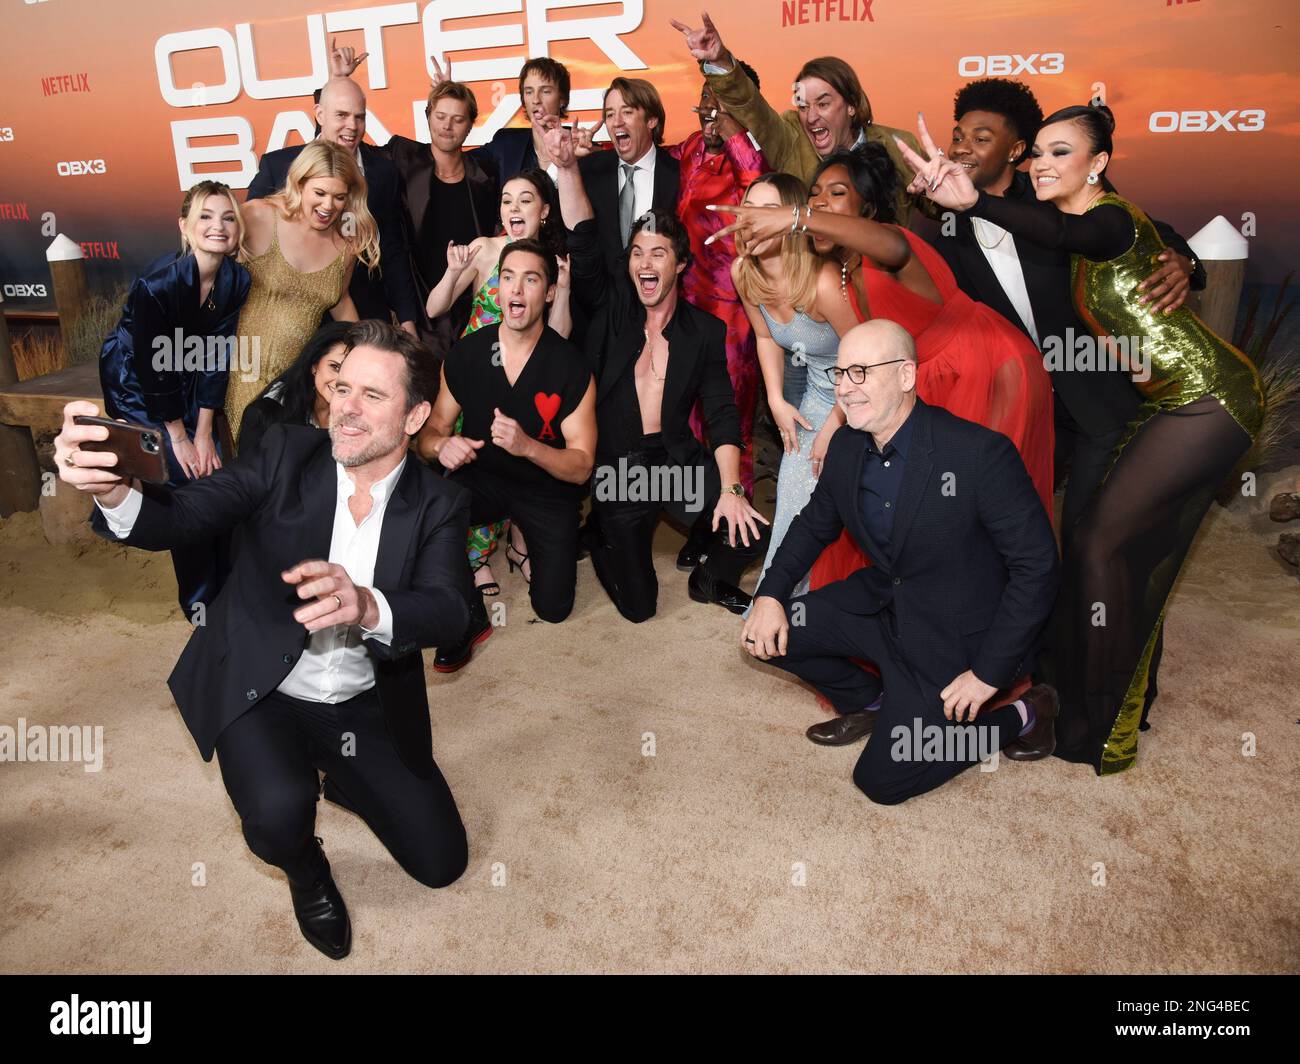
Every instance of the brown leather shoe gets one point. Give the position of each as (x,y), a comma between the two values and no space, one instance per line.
(842,730)
(1040,740)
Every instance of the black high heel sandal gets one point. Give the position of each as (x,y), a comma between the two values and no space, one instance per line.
(518,562)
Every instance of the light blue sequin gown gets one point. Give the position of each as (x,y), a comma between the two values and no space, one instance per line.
(818,344)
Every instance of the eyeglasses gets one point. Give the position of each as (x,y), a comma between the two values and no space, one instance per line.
(857,374)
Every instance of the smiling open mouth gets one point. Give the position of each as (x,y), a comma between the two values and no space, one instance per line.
(648,283)
(516,308)
(622,139)
(322,215)
(1044,179)
(516,226)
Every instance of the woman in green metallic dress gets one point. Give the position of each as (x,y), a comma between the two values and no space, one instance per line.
(1204,407)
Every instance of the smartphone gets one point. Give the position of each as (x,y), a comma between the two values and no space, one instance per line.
(139,448)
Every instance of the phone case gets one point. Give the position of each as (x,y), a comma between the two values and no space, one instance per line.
(140,450)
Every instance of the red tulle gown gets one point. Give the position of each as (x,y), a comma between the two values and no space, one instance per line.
(972,362)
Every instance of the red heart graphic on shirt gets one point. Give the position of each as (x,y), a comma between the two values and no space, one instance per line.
(547,406)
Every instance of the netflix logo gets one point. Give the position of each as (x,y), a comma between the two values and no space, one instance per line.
(57,84)
(803,12)
(13,212)
(100,249)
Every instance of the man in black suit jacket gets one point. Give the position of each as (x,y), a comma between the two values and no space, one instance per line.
(634,119)
(341,116)
(963,576)
(995,121)
(655,356)
(306,664)
(544,98)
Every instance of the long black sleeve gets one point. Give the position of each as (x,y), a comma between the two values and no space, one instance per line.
(1105,232)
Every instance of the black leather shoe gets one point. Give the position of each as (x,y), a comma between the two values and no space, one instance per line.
(322,916)
(842,730)
(702,587)
(1041,738)
(691,554)
(456,656)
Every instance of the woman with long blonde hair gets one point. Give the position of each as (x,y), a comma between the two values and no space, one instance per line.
(792,298)
(301,247)
(164,363)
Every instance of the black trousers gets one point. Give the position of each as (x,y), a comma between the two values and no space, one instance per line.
(269,761)
(1083,458)
(549,522)
(913,747)
(624,558)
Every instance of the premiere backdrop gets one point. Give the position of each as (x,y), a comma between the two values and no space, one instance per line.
(111,108)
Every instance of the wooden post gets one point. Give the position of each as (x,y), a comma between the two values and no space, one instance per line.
(20,474)
(68,271)
(1223,252)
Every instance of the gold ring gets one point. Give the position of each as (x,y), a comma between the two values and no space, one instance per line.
(68,461)
(339,601)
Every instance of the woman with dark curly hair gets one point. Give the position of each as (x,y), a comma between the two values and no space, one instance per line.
(301,394)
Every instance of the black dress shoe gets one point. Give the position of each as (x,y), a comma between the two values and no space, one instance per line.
(691,554)
(322,916)
(842,730)
(456,656)
(1040,741)
(703,587)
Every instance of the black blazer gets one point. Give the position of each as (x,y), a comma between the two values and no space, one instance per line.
(600,178)
(697,362)
(283,497)
(1099,402)
(974,571)
(509,152)
(414,163)
(392,286)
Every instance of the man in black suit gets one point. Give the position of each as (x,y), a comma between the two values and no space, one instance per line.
(352,560)
(1029,285)
(634,119)
(654,357)
(341,116)
(544,97)
(963,576)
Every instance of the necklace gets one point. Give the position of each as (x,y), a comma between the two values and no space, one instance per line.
(975,228)
(652,360)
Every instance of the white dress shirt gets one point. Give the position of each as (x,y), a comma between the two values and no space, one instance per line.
(335,665)
(643,182)
(999,247)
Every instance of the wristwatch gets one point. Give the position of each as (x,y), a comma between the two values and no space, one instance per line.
(736,489)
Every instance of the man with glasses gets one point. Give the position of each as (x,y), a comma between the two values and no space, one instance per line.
(963,576)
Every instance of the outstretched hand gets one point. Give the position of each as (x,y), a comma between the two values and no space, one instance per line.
(754,222)
(937,176)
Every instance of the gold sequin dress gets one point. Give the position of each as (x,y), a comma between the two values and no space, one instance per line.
(283,310)
(1204,407)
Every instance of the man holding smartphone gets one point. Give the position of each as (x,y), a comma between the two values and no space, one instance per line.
(352,560)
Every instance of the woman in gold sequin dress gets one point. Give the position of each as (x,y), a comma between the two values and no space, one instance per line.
(1204,407)
(302,245)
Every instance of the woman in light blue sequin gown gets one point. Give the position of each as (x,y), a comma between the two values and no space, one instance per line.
(793,298)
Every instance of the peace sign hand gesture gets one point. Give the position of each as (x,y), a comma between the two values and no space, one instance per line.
(937,176)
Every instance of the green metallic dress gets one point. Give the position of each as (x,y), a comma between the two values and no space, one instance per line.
(1204,406)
